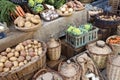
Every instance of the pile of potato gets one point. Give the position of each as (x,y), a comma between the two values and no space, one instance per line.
(28,21)
(109,18)
(76,5)
(65,9)
(23,53)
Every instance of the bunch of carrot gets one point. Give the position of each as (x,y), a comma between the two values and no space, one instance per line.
(17,12)
(115,40)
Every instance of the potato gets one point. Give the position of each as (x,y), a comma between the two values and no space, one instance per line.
(1,64)
(1,69)
(21,63)
(18,48)
(24,43)
(34,20)
(23,53)
(16,20)
(8,64)
(21,59)
(15,63)
(3,59)
(6,69)
(13,58)
(8,50)
(32,54)
(3,53)
(29,41)
(29,15)
(36,16)
(25,62)
(28,24)
(30,50)
(28,58)
(39,44)
(10,55)
(21,23)
(29,45)
(35,42)
(16,54)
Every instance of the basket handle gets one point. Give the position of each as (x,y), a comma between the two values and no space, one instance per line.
(38,73)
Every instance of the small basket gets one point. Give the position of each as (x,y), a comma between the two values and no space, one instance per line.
(78,41)
(113,71)
(75,77)
(28,29)
(25,72)
(115,47)
(40,72)
(54,53)
(45,18)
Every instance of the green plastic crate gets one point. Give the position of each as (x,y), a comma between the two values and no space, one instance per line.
(78,41)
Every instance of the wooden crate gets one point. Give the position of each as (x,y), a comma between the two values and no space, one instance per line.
(69,51)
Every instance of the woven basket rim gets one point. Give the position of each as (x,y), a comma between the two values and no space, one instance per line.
(112,37)
(26,65)
(78,67)
(46,70)
(99,54)
(58,45)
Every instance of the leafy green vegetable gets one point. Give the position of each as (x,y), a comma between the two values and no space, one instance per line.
(38,8)
(6,8)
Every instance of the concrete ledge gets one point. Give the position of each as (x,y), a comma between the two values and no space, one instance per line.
(13,39)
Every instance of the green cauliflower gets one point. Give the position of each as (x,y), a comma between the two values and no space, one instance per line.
(39,1)
(38,8)
(31,3)
(70,29)
(76,31)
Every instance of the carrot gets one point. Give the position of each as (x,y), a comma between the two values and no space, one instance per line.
(17,13)
(21,10)
(17,8)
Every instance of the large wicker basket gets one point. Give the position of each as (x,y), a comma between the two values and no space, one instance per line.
(42,71)
(96,70)
(115,47)
(75,77)
(113,69)
(26,72)
(100,59)
(54,53)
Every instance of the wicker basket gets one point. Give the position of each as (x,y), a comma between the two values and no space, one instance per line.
(64,15)
(54,53)
(26,72)
(113,69)
(42,71)
(75,77)
(100,58)
(78,41)
(106,24)
(115,47)
(96,70)
(28,29)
